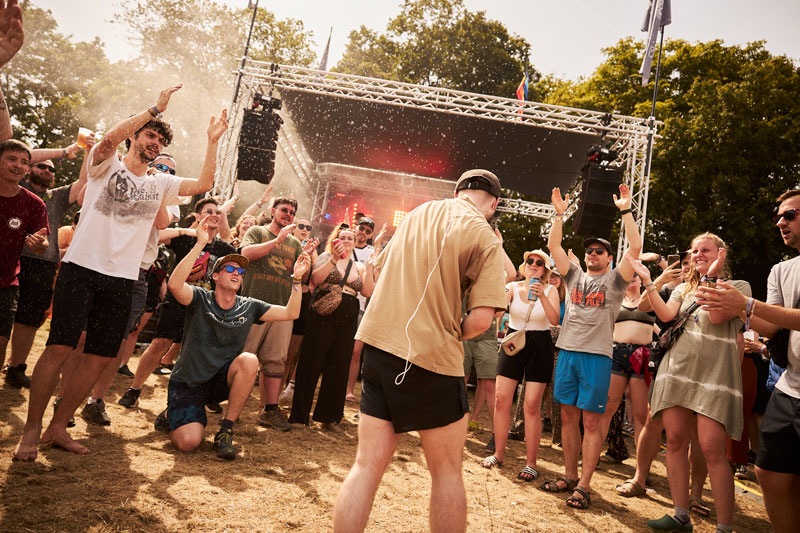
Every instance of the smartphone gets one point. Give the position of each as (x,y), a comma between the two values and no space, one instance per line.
(673,258)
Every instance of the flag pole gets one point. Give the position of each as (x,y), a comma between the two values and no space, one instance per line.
(649,155)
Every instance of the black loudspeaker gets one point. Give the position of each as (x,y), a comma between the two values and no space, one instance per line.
(596,211)
(258,140)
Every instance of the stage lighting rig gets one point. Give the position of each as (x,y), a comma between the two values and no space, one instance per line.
(600,154)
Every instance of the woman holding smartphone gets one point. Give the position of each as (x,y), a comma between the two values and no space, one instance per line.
(699,373)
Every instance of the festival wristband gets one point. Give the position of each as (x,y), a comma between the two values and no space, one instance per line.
(625,211)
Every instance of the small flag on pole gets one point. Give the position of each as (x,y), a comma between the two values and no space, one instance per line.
(323,62)
(659,14)
(522,90)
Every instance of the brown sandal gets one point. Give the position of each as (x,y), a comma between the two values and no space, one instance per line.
(579,502)
(552,485)
(630,488)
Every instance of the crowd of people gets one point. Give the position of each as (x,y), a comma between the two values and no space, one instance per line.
(414,314)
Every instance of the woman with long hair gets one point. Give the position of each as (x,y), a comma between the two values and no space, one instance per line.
(328,350)
(534,362)
(699,373)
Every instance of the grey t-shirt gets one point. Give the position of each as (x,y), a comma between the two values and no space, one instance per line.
(213,336)
(57,202)
(593,303)
(783,288)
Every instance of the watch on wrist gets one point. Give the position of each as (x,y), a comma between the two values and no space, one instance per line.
(154,112)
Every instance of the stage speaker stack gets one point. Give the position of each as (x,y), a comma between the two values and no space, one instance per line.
(258,140)
(596,210)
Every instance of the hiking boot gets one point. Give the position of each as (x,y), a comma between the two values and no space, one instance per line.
(56,403)
(223,443)
(130,398)
(162,422)
(96,413)
(274,419)
(15,377)
(125,371)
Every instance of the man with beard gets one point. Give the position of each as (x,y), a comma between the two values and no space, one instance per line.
(38,271)
(272,251)
(94,287)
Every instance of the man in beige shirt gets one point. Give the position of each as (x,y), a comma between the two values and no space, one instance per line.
(413,357)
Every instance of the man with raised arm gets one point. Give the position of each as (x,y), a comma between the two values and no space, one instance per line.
(94,286)
(212,367)
(583,371)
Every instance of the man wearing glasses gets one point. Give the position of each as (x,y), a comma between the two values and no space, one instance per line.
(212,366)
(583,370)
(38,271)
(272,250)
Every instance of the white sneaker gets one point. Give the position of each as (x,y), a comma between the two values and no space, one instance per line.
(287,395)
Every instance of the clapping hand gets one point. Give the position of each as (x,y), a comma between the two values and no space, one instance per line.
(285,232)
(310,246)
(302,265)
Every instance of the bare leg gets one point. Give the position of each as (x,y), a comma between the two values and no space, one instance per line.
(376,444)
(172,354)
(270,389)
(677,421)
(22,338)
(241,377)
(615,391)
(355,362)
(149,361)
(129,344)
(698,463)
(188,437)
(106,377)
(592,445)
(711,435)
(782,499)
(533,420)
(570,439)
(444,450)
(638,406)
(647,448)
(487,388)
(43,382)
(504,395)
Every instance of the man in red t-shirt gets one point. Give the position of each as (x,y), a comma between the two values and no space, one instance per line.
(23,221)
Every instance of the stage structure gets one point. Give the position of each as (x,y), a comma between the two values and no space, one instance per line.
(347,137)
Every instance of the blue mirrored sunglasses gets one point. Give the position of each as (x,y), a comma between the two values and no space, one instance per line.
(161,167)
(231,268)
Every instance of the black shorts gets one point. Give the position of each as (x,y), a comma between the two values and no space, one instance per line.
(299,326)
(762,392)
(138,300)
(36,278)
(153,290)
(187,404)
(534,362)
(627,358)
(779,442)
(8,307)
(423,400)
(91,301)
(171,317)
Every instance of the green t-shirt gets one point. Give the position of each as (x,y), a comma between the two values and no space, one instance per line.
(270,277)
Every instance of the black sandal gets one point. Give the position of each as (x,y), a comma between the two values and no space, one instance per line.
(528,474)
(552,485)
(579,502)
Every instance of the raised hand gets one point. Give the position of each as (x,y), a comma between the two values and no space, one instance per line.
(301,265)
(378,239)
(217,127)
(73,149)
(338,250)
(11,34)
(624,200)
(202,230)
(90,142)
(266,197)
(310,246)
(669,274)
(716,266)
(648,256)
(164,96)
(560,204)
(639,268)
(285,232)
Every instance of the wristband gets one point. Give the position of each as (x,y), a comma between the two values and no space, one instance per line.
(63,153)
(154,112)
(295,280)
(258,203)
(559,215)
(649,284)
(625,211)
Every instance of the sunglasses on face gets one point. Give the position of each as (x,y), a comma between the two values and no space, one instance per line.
(161,167)
(787,215)
(597,251)
(304,226)
(286,210)
(537,262)
(42,166)
(365,229)
(230,269)
(211,212)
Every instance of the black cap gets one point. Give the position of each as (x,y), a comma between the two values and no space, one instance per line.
(682,255)
(479,179)
(605,243)
(366,221)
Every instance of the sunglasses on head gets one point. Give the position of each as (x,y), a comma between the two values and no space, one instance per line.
(42,166)
(161,167)
(231,269)
(597,251)
(304,226)
(532,261)
(788,215)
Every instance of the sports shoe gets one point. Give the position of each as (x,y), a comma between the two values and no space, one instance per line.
(163,370)
(125,371)
(274,419)
(162,423)
(668,523)
(130,398)
(287,395)
(15,377)
(223,443)
(740,472)
(96,413)
(56,403)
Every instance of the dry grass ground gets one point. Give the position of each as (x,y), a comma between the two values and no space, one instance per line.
(134,480)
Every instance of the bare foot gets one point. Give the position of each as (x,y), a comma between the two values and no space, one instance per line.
(350,397)
(26,449)
(61,439)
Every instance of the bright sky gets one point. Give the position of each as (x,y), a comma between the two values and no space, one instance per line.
(566,36)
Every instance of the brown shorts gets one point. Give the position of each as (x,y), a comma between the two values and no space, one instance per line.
(270,343)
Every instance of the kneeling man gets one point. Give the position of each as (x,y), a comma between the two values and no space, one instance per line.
(211,367)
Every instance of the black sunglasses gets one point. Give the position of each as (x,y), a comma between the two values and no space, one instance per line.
(537,262)
(42,166)
(161,167)
(231,269)
(304,226)
(286,210)
(365,229)
(597,251)
(788,215)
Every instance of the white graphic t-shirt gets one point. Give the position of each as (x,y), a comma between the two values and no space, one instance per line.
(118,212)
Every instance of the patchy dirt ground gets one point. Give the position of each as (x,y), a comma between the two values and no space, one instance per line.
(133,480)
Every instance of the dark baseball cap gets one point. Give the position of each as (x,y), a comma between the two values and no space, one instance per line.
(366,221)
(605,243)
(240,260)
(479,179)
